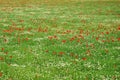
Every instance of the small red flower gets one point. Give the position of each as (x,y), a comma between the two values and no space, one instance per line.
(118,39)
(97,38)
(84,58)
(107,32)
(55,36)
(63,41)
(71,39)
(103,40)
(2,49)
(26,39)
(1,74)
(61,53)
(119,28)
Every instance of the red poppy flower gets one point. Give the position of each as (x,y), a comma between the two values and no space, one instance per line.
(107,32)
(97,38)
(1,74)
(26,39)
(45,30)
(118,39)
(78,40)
(103,40)
(84,58)
(55,36)
(119,28)
(63,41)
(61,53)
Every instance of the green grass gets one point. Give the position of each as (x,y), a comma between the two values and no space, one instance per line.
(73,40)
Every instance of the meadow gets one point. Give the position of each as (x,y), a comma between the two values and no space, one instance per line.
(59,40)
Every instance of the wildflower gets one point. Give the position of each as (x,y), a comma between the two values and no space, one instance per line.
(97,38)
(119,28)
(63,41)
(1,74)
(55,36)
(61,53)
(107,32)
(102,33)
(26,39)
(103,40)
(2,49)
(84,58)
(45,30)
(118,39)
(71,39)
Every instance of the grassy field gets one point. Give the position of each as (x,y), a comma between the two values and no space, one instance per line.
(59,40)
